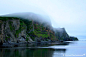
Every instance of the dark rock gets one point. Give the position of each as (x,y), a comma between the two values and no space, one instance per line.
(1,43)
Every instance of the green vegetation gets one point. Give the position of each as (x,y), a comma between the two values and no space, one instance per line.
(17,32)
(41,34)
(76,39)
(8,18)
(22,27)
(22,24)
(10,25)
(41,31)
(34,29)
(28,23)
(61,38)
(27,38)
(52,36)
(7,37)
(32,35)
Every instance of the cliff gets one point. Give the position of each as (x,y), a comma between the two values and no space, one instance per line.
(14,29)
(62,35)
(22,30)
(39,31)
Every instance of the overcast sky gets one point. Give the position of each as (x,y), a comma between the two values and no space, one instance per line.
(70,14)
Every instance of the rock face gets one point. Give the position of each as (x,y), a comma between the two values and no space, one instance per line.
(60,33)
(13,29)
(38,31)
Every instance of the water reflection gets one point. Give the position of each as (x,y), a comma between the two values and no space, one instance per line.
(59,52)
(32,52)
(39,50)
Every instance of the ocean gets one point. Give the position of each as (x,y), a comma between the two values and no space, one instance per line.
(72,49)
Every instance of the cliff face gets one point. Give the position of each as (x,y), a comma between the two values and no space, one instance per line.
(39,31)
(22,30)
(14,29)
(60,33)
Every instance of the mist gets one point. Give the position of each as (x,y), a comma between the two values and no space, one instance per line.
(69,14)
(42,19)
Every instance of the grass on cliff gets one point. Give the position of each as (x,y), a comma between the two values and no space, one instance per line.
(7,18)
(40,31)
(10,25)
(41,34)
(22,27)
(28,23)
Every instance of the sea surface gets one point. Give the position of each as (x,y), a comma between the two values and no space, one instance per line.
(72,49)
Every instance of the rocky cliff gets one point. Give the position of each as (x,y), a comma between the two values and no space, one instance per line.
(22,30)
(62,35)
(14,29)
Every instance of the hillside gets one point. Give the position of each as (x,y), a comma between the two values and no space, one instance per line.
(15,29)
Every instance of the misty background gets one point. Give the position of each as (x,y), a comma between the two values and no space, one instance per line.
(70,14)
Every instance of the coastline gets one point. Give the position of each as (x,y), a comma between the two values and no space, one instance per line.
(33,44)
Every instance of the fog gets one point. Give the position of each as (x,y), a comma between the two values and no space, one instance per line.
(42,19)
(69,14)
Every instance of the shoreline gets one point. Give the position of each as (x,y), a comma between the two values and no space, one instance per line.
(11,45)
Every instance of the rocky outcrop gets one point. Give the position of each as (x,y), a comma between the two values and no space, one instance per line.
(62,35)
(13,29)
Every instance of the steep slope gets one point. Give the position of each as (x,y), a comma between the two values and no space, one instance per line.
(12,30)
(39,31)
(62,35)
(21,30)
(33,28)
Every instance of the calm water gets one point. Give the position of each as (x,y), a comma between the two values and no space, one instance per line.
(73,49)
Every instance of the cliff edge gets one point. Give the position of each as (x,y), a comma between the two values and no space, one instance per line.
(16,29)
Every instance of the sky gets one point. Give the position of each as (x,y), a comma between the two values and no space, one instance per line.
(70,14)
